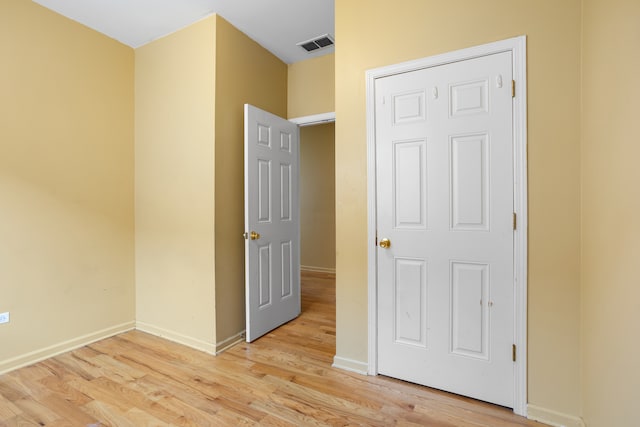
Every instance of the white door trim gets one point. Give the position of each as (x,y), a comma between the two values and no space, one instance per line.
(518,47)
(315,119)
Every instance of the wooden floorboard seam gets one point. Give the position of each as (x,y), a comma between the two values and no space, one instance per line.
(283,379)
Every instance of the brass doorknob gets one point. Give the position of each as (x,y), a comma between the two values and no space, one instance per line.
(252,236)
(385,243)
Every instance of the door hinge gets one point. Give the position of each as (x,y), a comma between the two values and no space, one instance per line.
(513,352)
(515,221)
(513,88)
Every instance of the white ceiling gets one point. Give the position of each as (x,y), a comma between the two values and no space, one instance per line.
(277,25)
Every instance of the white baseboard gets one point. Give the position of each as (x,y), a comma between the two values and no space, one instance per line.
(313,269)
(229,342)
(177,337)
(62,347)
(553,418)
(350,365)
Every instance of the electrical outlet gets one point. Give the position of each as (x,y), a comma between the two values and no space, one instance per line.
(4,317)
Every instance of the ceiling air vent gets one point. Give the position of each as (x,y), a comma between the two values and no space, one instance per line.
(316,43)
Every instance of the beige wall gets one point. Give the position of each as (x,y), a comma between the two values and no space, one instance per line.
(66,183)
(245,73)
(174,171)
(610,204)
(311,87)
(317,197)
(191,88)
(419,28)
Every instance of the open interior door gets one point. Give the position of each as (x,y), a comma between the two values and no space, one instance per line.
(272,222)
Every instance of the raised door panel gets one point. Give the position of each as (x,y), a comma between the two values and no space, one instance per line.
(285,192)
(264,190)
(285,142)
(469,309)
(469,182)
(264,135)
(409,107)
(410,301)
(286,252)
(410,184)
(265,278)
(469,98)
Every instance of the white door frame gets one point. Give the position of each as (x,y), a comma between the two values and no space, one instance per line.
(315,119)
(518,47)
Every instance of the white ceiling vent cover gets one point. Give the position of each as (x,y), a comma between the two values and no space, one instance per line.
(316,43)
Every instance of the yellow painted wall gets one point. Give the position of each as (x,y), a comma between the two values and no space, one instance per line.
(67,178)
(376,33)
(317,197)
(174,172)
(610,203)
(311,87)
(66,183)
(245,73)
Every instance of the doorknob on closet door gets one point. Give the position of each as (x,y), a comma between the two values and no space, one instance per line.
(385,243)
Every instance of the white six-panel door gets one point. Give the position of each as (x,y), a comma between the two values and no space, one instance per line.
(272,223)
(444,160)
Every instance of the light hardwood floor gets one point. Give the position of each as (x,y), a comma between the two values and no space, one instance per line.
(283,379)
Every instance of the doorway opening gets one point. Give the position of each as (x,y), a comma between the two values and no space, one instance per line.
(317,199)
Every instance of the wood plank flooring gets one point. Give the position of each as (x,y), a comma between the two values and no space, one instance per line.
(283,379)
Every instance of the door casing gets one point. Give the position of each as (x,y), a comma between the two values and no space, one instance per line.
(517,46)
